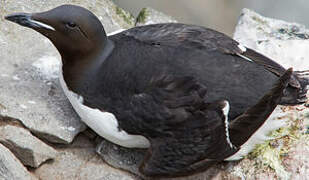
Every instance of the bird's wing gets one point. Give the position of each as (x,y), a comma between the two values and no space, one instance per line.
(186,134)
(182,35)
(197,37)
(246,124)
(166,102)
(270,65)
(203,138)
(193,146)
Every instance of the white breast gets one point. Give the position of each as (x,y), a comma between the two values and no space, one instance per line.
(104,124)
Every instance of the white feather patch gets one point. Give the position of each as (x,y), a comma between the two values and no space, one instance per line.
(226,110)
(103,123)
(244,57)
(42,25)
(242,48)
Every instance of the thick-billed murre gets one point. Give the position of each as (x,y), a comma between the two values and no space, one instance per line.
(191,94)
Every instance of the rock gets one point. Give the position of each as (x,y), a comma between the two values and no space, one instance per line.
(285,42)
(297,160)
(11,168)
(79,161)
(30,90)
(120,157)
(27,148)
(152,16)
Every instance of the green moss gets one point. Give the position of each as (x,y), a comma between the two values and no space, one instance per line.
(270,152)
(141,18)
(270,156)
(126,16)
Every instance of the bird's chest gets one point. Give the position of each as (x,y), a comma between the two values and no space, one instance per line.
(103,123)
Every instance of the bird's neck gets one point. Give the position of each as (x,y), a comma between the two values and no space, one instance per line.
(79,70)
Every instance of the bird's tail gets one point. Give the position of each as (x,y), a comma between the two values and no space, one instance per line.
(297,95)
(245,125)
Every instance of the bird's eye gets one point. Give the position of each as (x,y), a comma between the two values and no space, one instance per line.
(71,25)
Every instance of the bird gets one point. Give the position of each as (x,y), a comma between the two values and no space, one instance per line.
(191,95)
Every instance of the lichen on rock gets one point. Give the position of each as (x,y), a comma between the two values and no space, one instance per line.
(127,17)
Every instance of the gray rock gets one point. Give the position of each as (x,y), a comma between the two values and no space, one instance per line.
(29,87)
(79,161)
(152,16)
(120,157)
(285,42)
(27,148)
(11,168)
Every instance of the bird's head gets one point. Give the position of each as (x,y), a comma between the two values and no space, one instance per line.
(72,29)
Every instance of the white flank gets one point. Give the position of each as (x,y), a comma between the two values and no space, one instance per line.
(42,25)
(271,124)
(103,123)
(226,110)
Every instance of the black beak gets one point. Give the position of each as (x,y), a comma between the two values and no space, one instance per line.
(25,19)
(22,19)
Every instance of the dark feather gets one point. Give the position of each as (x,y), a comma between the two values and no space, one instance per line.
(245,125)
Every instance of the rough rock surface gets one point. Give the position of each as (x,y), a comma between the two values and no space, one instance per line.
(120,157)
(29,87)
(79,161)
(285,42)
(152,16)
(11,168)
(27,148)
(287,156)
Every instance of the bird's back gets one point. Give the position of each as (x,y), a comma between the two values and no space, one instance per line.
(136,60)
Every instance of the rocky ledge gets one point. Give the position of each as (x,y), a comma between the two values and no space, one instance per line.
(41,137)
